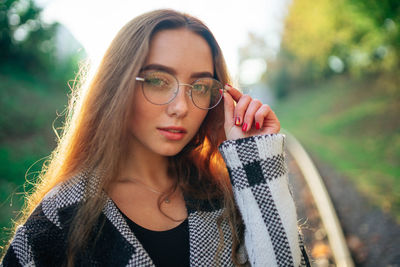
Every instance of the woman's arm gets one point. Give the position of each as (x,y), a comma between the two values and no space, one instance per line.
(258,173)
(254,156)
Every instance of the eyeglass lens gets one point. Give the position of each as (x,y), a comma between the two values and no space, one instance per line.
(161,88)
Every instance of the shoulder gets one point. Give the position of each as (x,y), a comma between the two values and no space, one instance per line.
(59,200)
(43,236)
(64,198)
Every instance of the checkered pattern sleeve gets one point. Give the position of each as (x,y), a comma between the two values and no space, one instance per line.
(20,252)
(35,242)
(258,173)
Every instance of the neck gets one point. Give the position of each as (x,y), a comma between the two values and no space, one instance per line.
(147,167)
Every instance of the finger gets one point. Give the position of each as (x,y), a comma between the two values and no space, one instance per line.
(229,106)
(249,116)
(274,122)
(235,93)
(240,109)
(265,117)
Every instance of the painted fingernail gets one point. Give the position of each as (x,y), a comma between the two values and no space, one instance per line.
(257,125)
(228,86)
(244,127)
(237,121)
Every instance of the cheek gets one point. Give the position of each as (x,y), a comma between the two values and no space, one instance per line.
(200,117)
(142,113)
(144,116)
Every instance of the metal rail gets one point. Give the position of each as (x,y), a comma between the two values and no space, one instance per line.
(324,205)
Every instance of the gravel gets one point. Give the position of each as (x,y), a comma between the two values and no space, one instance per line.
(372,235)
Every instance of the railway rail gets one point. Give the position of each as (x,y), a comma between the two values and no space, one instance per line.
(327,215)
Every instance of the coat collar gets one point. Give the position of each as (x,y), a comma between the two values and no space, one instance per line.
(203,232)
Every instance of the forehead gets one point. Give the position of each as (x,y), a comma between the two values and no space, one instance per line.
(182,50)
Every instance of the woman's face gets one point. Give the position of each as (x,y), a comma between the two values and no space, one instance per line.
(166,129)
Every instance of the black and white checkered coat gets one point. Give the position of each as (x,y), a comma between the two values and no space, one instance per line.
(259,177)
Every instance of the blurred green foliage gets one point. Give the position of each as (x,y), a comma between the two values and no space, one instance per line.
(325,38)
(337,78)
(361,141)
(25,40)
(34,77)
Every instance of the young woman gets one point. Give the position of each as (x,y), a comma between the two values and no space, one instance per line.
(137,178)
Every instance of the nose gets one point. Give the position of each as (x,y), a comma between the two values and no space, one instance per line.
(179,106)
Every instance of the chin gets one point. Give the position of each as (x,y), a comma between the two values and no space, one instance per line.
(170,151)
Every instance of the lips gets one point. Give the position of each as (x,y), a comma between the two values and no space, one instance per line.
(172,132)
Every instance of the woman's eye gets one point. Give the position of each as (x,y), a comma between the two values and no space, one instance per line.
(201,88)
(155,82)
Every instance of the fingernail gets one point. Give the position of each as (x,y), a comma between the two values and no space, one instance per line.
(221,92)
(237,121)
(228,86)
(257,125)
(244,127)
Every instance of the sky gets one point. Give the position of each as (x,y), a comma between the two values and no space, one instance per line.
(94,23)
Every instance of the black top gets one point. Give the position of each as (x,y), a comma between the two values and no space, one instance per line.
(165,248)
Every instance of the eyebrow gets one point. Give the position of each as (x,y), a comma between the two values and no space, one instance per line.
(173,72)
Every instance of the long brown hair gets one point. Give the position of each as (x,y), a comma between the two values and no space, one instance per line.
(92,138)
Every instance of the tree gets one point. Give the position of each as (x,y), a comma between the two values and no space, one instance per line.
(25,40)
(323,38)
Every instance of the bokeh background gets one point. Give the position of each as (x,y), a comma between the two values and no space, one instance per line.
(330,70)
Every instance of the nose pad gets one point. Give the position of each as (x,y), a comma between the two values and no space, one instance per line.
(189,93)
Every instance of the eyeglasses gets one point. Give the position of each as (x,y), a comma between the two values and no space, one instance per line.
(161,88)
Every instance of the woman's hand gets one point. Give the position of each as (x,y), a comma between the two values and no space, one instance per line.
(246,117)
